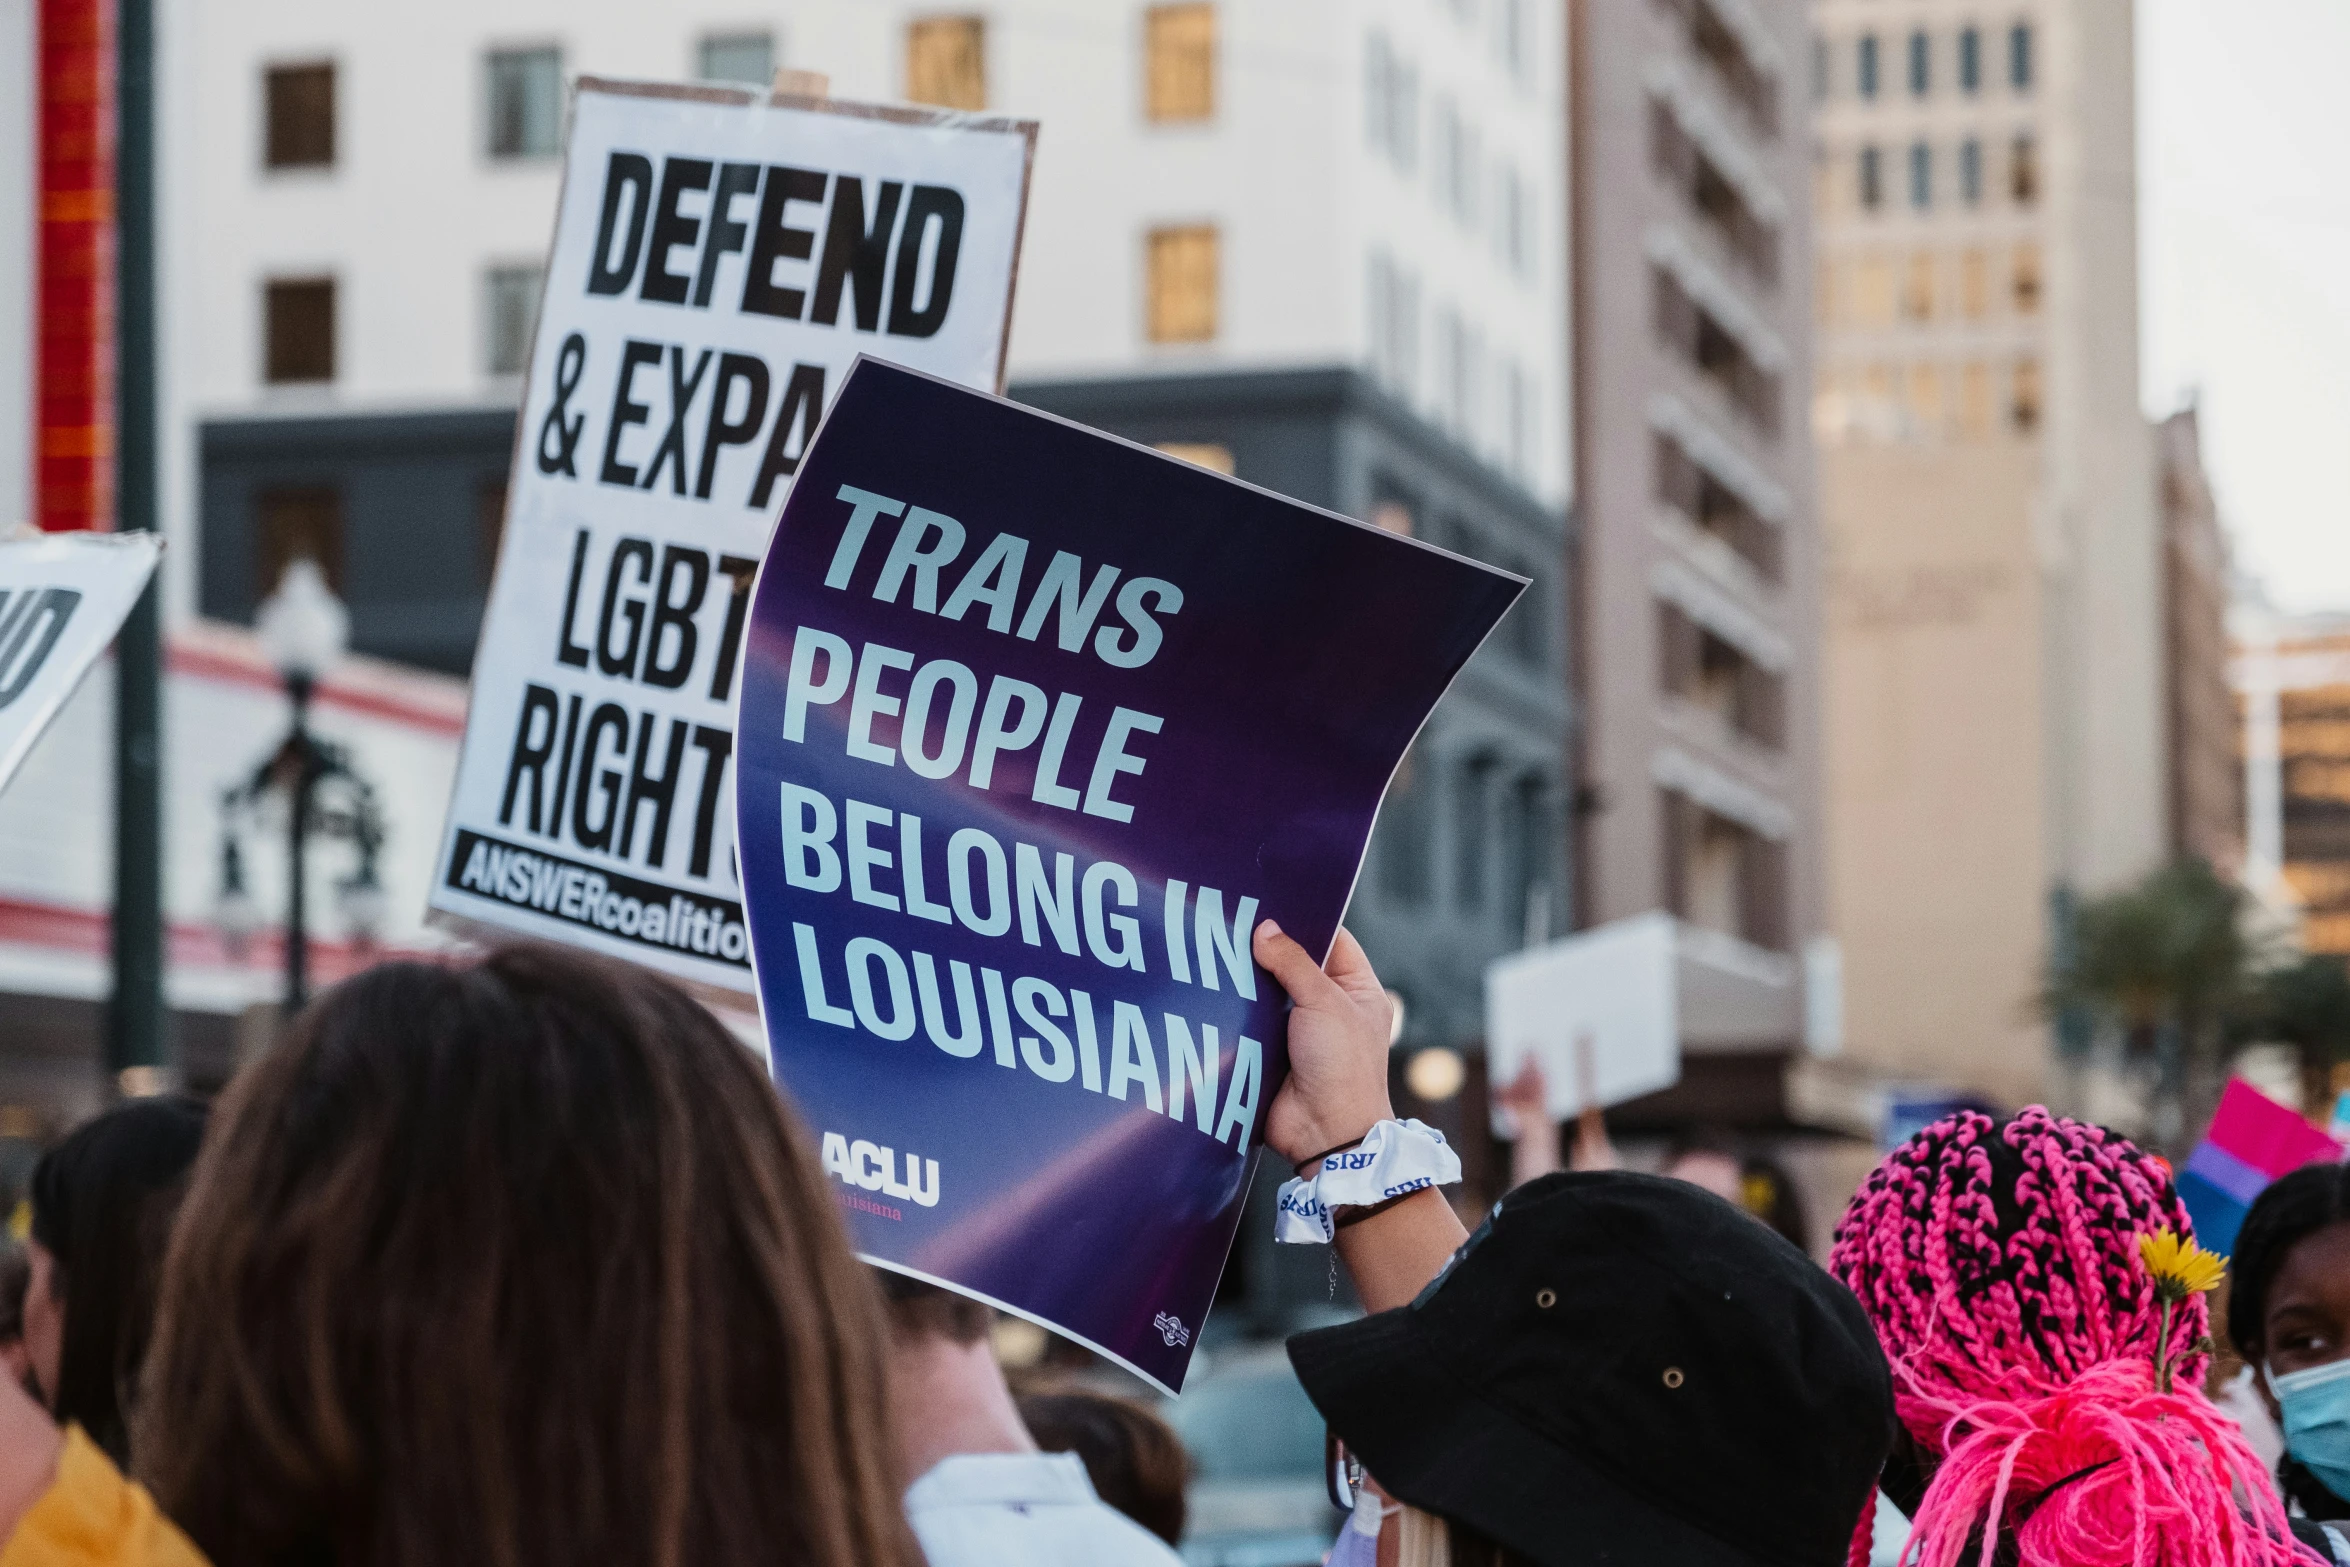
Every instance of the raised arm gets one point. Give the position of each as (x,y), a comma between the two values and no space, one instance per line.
(1337,1091)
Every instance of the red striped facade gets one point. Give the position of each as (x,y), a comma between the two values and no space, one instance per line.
(73,410)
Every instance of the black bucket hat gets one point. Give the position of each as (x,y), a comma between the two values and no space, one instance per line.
(1620,1369)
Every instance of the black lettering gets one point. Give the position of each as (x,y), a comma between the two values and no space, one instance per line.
(645,789)
(674,613)
(563,772)
(630,173)
(946,206)
(623,663)
(716,745)
(777,241)
(47,608)
(802,404)
(566,650)
(724,234)
(682,388)
(609,719)
(750,371)
(672,228)
(626,410)
(730,641)
(531,756)
(853,252)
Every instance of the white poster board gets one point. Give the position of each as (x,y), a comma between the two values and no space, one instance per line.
(1597,1010)
(719,260)
(62,598)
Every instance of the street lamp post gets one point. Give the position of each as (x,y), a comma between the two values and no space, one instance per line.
(304,630)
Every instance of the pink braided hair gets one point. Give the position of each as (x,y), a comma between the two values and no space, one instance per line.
(1999,1265)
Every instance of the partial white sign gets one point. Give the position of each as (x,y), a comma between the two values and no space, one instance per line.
(1598,1010)
(719,259)
(62,598)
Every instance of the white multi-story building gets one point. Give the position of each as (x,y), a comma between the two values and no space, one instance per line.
(1321,243)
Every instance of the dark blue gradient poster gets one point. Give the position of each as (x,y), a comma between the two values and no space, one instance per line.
(1036,725)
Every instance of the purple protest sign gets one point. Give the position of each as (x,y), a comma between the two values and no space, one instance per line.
(1036,725)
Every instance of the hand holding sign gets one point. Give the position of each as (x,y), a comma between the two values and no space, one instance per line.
(1337,1088)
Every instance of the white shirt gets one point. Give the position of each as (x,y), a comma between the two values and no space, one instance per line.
(1024,1510)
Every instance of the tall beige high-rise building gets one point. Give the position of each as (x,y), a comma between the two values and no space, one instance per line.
(1995,697)
(1699,553)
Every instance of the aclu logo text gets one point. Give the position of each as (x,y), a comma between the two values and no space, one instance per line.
(875,1169)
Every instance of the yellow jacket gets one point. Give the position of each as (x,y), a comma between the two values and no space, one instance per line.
(93,1517)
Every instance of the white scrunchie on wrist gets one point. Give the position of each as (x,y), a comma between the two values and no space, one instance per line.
(1396,1157)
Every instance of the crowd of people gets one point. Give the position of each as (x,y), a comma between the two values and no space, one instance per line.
(522,1260)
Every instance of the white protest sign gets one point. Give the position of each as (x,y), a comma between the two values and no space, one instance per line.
(1597,1010)
(62,598)
(719,260)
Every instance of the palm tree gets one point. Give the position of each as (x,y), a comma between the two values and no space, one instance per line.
(2168,962)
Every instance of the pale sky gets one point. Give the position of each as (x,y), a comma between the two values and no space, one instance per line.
(2244,224)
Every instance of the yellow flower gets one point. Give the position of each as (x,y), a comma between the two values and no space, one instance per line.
(2180,1267)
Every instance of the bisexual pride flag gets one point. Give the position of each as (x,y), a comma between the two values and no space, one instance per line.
(2252,1141)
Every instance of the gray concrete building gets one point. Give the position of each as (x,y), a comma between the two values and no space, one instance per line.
(1699,560)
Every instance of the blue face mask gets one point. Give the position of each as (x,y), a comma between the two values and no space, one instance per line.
(2316,1407)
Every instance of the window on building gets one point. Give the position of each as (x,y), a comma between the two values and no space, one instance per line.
(946,61)
(1514,230)
(1514,37)
(1406,833)
(1473,836)
(1395,325)
(2027,279)
(1456,163)
(1872,178)
(1742,79)
(1917,287)
(1974,401)
(1692,489)
(1866,76)
(1921,64)
(748,58)
(526,103)
(1391,103)
(2019,57)
(1921,175)
(1715,351)
(297,523)
(1525,629)
(1872,291)
(2023,170)
(1821,69)
(1459,366)
(298,330)
(1721,875)
(510,314)
(1180,43)
(300,111)
(1182,284)
(1974,285)
(1970,59)
(2023,408)
(489,522)
(1925,399)
(1970,171)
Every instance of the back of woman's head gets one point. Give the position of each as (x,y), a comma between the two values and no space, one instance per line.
(102,1207)
(1134,1459)
(515,1263)
(2000,1265)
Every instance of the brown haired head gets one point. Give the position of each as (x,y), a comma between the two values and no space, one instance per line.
(516,1263)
